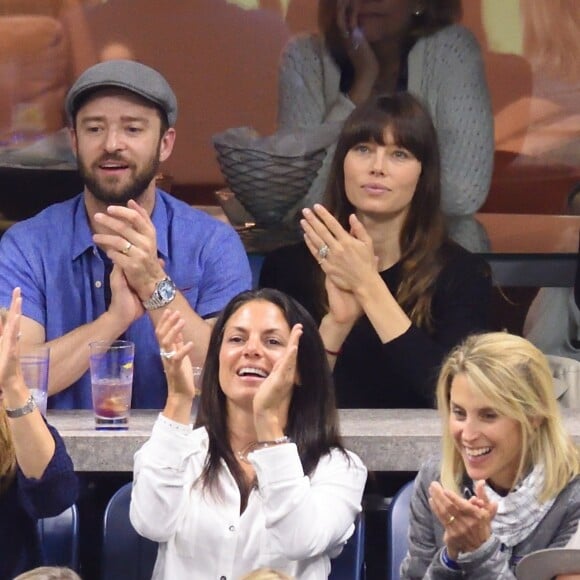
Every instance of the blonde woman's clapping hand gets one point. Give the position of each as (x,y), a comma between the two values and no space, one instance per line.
(10,373)
(467,522)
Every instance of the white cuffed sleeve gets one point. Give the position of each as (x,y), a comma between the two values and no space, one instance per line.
(309,516)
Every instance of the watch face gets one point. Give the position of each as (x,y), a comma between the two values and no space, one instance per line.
(166,290)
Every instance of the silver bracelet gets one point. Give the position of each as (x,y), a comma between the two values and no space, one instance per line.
(256,445)
(28,407)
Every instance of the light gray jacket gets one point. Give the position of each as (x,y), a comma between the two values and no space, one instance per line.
(488,562)
(445,71)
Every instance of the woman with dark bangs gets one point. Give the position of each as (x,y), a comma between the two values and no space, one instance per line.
(394,294)
(370,47)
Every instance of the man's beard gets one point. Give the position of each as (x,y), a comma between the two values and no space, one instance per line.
(112,194)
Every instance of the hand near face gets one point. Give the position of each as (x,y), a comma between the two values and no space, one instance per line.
(10,372)
(358,49)
(346,16)
(132,245)
(272,399)
(467,523)
(176,364)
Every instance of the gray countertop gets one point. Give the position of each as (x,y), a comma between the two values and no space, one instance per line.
(385,439)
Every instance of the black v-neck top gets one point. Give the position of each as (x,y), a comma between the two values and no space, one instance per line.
(403,372)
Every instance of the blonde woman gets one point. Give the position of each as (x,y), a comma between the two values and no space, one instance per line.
(36,474)
(507,483)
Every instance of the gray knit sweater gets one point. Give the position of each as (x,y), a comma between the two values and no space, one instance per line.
(445,71)
(488,562)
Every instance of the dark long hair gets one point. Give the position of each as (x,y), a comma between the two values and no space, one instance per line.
(312,416)
(423,234)
(434,15)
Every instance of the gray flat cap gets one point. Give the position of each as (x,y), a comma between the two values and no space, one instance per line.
(129,75)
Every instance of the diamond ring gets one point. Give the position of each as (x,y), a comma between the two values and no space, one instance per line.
(167,354)
(323,252)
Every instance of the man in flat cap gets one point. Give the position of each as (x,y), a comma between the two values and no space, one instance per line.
(107,263)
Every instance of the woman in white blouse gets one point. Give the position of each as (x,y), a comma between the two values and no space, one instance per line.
(263,479)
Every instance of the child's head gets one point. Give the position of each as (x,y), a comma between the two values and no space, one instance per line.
(49,573)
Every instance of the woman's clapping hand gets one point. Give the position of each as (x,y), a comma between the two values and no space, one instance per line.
(467,522)
(10,372)
(174,355)
(273,397)
(350,259)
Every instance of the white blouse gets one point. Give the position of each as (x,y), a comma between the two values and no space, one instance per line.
(292,522)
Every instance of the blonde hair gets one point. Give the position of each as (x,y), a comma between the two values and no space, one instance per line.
(49,573)
(266,574)
(7,453)
(514,376)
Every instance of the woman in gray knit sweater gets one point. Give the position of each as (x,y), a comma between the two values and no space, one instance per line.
(368,47)
(507,483)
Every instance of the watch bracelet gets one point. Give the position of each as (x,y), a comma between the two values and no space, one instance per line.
(27,408)
(156,301)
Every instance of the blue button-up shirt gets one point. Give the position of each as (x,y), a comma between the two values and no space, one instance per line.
(53,259)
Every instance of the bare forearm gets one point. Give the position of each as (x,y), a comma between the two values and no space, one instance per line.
(333,335)
(361,90)
(268,427)
(178,408)
(383,311)
(69,354)
(33,443)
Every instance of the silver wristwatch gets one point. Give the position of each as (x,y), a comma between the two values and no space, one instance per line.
(28,407)
(163,294)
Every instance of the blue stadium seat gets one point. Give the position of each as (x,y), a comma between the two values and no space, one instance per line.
(398,530)
(126,554)
(59,538)
(349,564)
